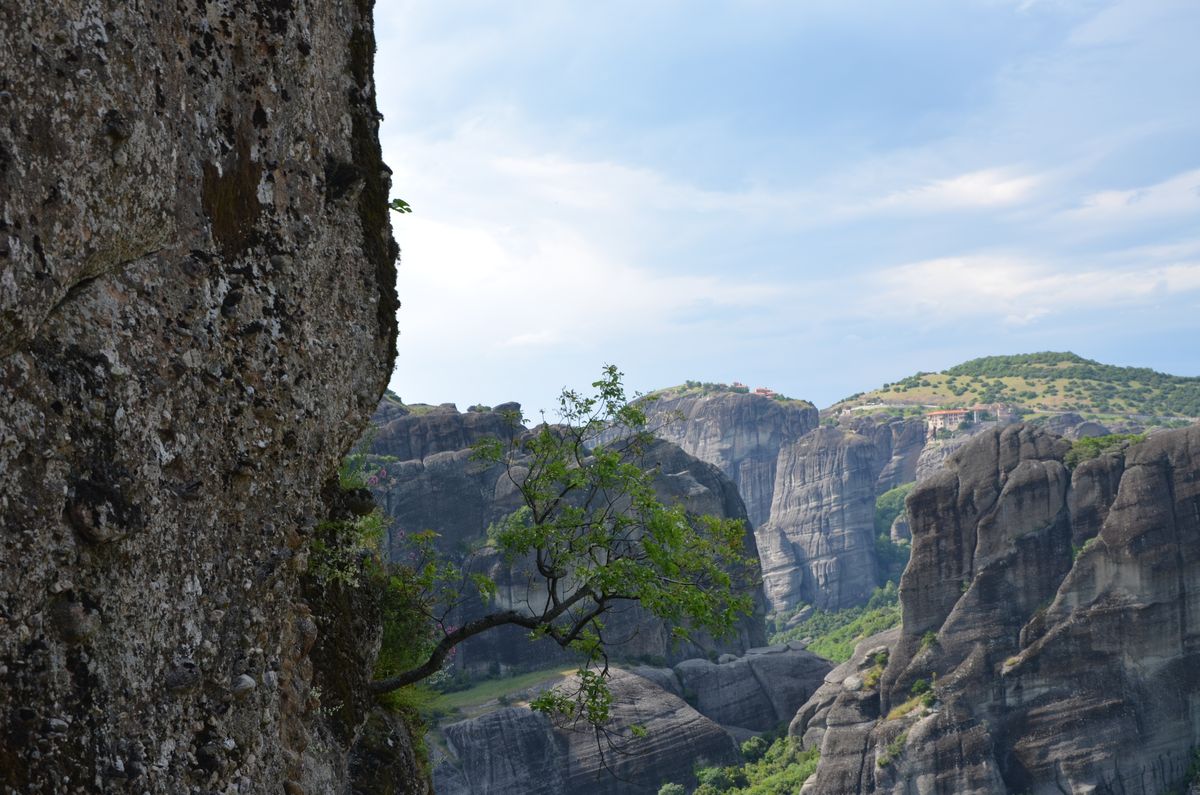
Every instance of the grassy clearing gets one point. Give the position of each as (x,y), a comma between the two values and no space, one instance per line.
(466,703)
(901,710)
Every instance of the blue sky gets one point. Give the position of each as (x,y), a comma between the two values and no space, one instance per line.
(814,196)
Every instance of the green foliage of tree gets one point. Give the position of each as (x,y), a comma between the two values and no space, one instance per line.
(1040,378)
(754,748)
(892,558)
(671,788)
(781,770)
(836,633)
(596,536)
(1095,446)
(889,505)
(1147,391)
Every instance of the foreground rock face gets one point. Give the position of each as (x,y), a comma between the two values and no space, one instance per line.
(516,750)
(196,319)
(445,490)
(1053,669)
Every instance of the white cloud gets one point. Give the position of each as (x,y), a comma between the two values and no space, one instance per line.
(544,286)
(1178,195)
(988,188)
(1019,291)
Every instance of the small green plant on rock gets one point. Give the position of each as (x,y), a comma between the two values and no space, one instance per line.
(1095,446)
(892,750)
(1076,551)
(343,550)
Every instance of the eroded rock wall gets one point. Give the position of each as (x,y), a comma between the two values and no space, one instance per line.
(516,750)
(818,547)
(1050,613)
(197,317)
(898,445)
(810,492)
(741,434)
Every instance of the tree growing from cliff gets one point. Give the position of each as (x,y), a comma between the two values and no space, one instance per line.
(595,535)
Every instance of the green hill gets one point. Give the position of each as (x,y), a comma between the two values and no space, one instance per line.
(1045,382)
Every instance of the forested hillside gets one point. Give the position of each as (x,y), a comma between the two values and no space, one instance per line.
(1045,382)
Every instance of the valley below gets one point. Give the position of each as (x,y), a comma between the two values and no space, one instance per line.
(930,598)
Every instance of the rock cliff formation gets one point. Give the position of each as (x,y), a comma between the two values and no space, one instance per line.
(1048,643)
(443,489)
(898,445)
(753,693)
(693,713)
(197,317)
(810,492)
(741,434)
(516,750)
(818,547)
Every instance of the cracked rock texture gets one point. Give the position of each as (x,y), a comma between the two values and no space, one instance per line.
(692,712)
(516,750)
(741,434)
(442,488)
(898,445)
(818,547)
(810,492)
(196,320)
(1053,612)
(755,692)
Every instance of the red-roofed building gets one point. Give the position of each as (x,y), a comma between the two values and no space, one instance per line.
(946,419)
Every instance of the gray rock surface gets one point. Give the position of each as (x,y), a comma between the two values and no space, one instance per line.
(510,750)
(516,750)
(197,317)
(1087,429)
(758,691)
(1073,426)
(1053,669)
(809,492)
(898,445)
(819,545)
(413,435)
(938,451)
(1060,424)
(741,434)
